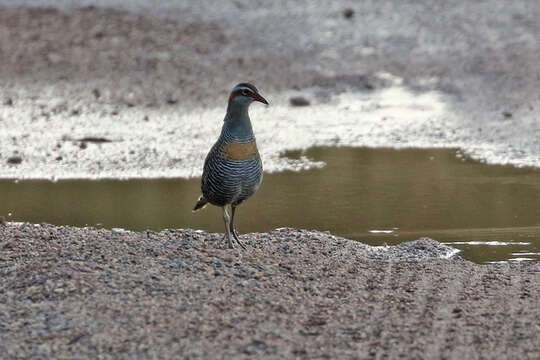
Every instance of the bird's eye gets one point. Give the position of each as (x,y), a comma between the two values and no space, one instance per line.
(245,92)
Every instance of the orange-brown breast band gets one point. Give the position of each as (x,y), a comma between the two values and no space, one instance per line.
(240,151)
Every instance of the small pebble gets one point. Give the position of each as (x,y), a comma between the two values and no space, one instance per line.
(171,101)
(299,101)
(14,160)
(348,13)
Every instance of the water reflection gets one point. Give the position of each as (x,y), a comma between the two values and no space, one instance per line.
(374,195)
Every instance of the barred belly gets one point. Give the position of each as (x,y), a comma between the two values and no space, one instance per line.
(232,173)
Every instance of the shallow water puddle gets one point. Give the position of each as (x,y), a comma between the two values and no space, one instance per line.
(377,196)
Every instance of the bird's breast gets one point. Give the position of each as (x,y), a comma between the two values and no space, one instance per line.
(239,150)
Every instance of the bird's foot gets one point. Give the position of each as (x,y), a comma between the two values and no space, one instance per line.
(227,236)
(229,242)
(235,235)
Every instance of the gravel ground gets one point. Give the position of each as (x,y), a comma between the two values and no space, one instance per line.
(93,293)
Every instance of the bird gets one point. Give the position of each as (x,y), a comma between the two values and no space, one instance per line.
(233,169)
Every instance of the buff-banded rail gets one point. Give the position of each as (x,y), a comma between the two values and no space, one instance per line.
(233,168)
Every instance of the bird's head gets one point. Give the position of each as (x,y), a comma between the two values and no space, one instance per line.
(243,94)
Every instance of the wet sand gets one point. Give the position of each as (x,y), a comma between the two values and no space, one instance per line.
(86,293)
(134,90)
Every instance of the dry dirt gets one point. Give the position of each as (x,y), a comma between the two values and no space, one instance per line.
(93,293)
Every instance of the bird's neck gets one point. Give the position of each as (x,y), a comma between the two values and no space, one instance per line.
(237,125)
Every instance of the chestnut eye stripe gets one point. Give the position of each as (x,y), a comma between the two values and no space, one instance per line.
(245,91)
(247,86)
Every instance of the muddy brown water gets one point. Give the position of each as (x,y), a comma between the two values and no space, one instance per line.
(377,196)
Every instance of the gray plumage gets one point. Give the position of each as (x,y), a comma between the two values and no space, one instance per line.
(233,168)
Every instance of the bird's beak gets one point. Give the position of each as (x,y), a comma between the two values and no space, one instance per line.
(258,97)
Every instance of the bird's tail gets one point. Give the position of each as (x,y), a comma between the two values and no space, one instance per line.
(201,203)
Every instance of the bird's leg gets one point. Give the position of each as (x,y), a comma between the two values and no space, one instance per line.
(227,220)
(233,208)
(233,229)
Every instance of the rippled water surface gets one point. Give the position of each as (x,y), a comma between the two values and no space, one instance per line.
(377,196)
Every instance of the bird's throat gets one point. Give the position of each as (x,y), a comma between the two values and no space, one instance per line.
(237,127)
